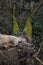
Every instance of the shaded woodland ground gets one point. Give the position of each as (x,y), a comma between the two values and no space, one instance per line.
(22,11)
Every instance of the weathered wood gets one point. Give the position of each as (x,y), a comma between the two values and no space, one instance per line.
(14,49)
(8,49)
(4,39)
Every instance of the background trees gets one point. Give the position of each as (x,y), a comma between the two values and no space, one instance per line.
(6,16)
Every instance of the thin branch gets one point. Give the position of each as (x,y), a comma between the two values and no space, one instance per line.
(39,50)
(38,60)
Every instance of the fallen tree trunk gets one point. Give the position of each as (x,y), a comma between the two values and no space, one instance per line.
(8,38)
(16,51)
(12,48)
(9,49)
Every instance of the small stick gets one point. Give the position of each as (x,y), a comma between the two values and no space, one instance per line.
(39,60)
